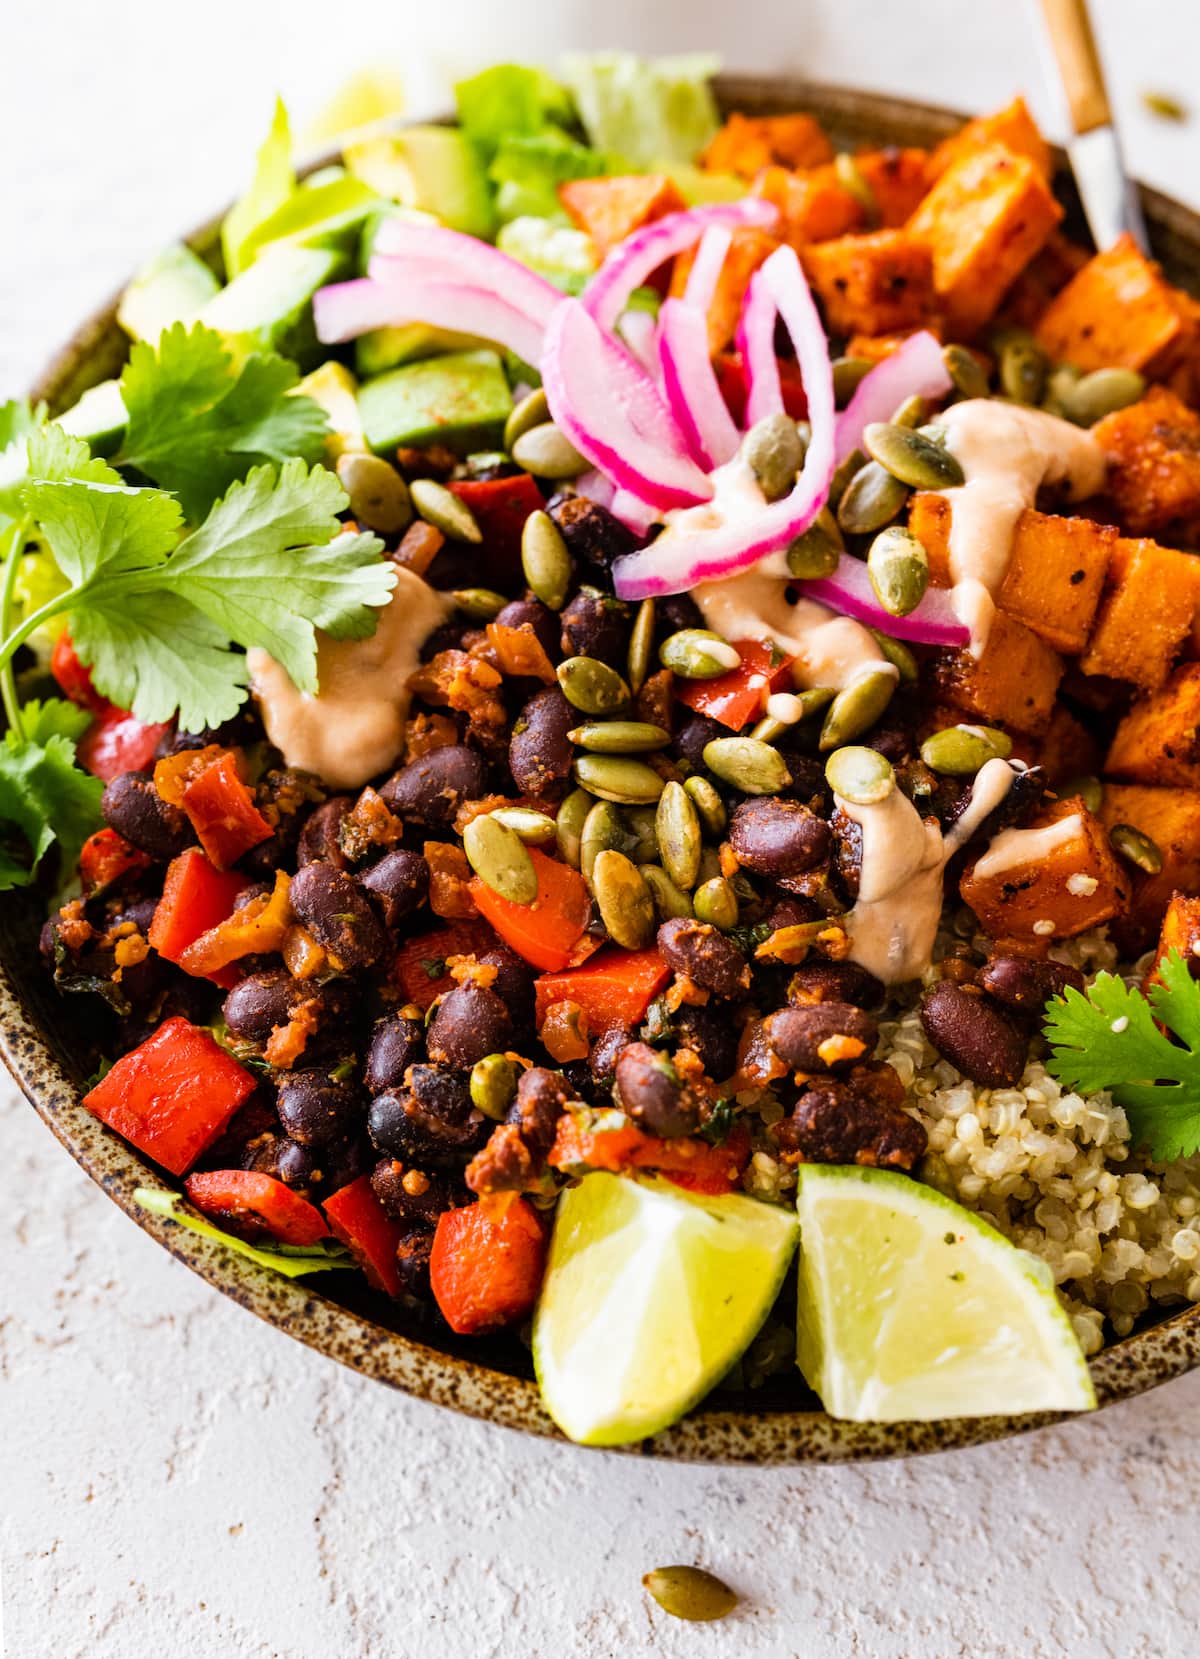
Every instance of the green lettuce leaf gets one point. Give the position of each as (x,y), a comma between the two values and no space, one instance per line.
(510,100)
(292,1260)
(528,170)
(650,110)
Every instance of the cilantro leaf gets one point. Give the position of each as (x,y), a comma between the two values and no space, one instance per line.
(54,717)
(44,796)
(197,423)
(156,654)
(273,182)
(89,526)
(1108,1039)
(18,422)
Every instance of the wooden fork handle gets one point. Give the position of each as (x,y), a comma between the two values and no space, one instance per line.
(1070,30)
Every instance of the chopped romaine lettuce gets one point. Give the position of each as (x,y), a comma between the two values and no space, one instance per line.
(651,110)
(528,170)
(510,100)
(274,181)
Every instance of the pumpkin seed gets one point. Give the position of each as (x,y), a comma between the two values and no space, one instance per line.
(855,183)
(966,371)
(1060,383)
(857,708)
(624,899)
(643,831)
(480,604)
(816,551)
(619,737)
(592,686)
(532,411)
(568,825)
(618,778)
(840,481)
(1139,849)
(773,452)
(535,829)
(677,824)
(872,499)
(690,1593)
(959,751)
(378,495)
(545,560)
(753,767)
(862,776)
(698,654)
(1022,367)
(788,708)
(441,507)
(710,866)
(847,374)
(1089,790)
(898,566)
(641,645)
(914,411)
(494,1085)
(707,803)
(716,902)
(898,654)
(500,858)
(547,452)
(603,831)
(911,457)
(669,900)
(1103,392)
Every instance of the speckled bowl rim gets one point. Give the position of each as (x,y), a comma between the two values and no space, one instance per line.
(50,1081)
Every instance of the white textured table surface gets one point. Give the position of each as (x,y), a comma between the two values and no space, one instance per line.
(179,1480)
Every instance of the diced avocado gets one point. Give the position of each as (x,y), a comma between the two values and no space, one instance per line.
(381,216)
(461,400)
(698,188)
(386,348)
(336,390)
(435,169)
(269,305)
(98,418)
(171,288)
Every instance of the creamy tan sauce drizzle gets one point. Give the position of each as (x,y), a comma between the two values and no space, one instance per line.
(1013,848)
(894,922)
(354,727)
(1007,453)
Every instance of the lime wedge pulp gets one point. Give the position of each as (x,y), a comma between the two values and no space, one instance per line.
(911,1308)
(650,1295)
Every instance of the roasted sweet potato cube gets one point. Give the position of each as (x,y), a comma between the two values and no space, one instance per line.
(1047,273)
(1118,310)
(748,143)
(1158,741)
(872,284)
(1012,126)
(1171,818)
(1181,932)
(1055,570)
(1013,683)
(1153,450)
(875,347)
(1067,749)
(1051,881)
(898,180)
(748,247)
(1145,614)
(984,220)
(610,209)
(813,206)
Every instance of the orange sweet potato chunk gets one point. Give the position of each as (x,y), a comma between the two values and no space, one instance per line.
(1158,741)
(875,347)
(1012,126)
(1180,931)
(1045,275)
(1145,615)
(748,247)
(872,284)
(898,180)
(1171,818)
(748,143)
(814,206)
(1013,683)
(1072,882)
(610,209)
(985,218)
(1153,450)
(1118,310)
(1067,749)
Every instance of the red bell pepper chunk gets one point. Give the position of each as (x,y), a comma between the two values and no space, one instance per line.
(223,813)
(173,1095)
(501,506)
(195,897)
(546,932)
(487,1265)
(106,857)
(242,1195)
(741,695)
(420,963)
(118,742)
(74,678)
(368,1232)
(614,987)
(731,378)
(688,1161)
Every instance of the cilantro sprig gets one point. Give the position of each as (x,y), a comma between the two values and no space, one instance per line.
(1109,1039)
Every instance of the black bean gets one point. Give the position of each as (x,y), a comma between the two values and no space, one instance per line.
(395,1045)
(974,1036)
(540,751)
(777,838)
(539,617)
(692,738)
(415,1196)
(398,884)
(243,729)
(827,981)
(542,1096)
(414,1248)
(446,637)
(858,1120)
(825,1036)
(678,611)
(792,911)
(652,1093)
(696,951)
(430,790)
(808,779)
(337,915)
(470,1021)
(847,850)
(1027,986)
(593,536)
(264,1000)
(430,1118)
(513,983)
(133,807)
(603,1058)
(320,837)
(712,1038)
(315,1110)
(596,625)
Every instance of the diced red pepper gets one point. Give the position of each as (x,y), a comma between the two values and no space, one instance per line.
(731,377)
(487,1265)
(420,963)
(688,1161)
(614,987)
(243,1195)
(74,679)
(500,506)
(195,897)
(740,696)
(173,1095)
(260,926)
(223,813)
(368,1232)
(106,857)
(118,742)
(547,931)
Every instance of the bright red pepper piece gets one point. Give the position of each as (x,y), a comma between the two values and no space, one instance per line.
(741,695)
(173,1095)
(547,931)
(368,1232)
(731,377)
(486,1267)
(500,506)
(74,679)
(420,963)
(118,742)
(614,987)
(243,1195)
(195,897)
(106,857)
(223,813)
(688,1161)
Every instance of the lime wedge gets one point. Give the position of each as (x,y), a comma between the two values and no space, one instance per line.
(911,1308)
(650,1295)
